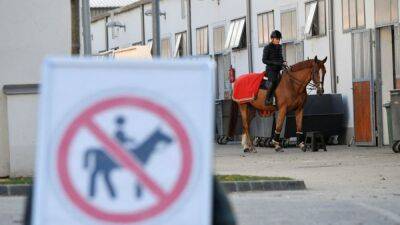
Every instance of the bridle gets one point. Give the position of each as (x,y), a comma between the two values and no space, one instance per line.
(315,70)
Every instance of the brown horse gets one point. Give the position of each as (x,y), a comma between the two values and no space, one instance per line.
(291,94)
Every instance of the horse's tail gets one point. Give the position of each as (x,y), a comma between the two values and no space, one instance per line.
(88,153)
(233,119)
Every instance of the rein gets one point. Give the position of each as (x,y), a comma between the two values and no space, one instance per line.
(299,82)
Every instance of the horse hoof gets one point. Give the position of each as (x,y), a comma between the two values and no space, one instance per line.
(278,149)
(302,147)
(253,150)
(250,150)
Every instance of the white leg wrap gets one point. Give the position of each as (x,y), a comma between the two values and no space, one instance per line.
(244,141)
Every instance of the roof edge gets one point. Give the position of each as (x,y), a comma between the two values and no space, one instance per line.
(121,10)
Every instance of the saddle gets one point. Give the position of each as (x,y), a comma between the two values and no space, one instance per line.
(246,87)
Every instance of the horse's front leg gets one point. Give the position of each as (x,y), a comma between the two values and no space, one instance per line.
(299,129)
(279,125)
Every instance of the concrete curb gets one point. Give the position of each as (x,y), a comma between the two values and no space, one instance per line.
(279,185)
(228,186)
(15,189)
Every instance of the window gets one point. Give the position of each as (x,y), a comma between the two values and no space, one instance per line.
(289,25)
(265,27)
(386,12)
(202,41)
(362,68)
(150,44)
(236,38)
(165,48)
(218,39)
(353,14)
(180,44)
(293,52)
(315,21)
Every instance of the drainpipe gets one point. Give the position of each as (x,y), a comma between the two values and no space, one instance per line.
(87,42)
(248,36)
(156,28)
(189,26)
(107,41)
(332,46)
(143,28)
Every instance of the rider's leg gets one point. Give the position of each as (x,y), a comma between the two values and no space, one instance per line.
(273,77)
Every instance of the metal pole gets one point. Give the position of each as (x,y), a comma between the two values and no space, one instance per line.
(248,36)
(332,46)
(143,26)
(189,26)
(87,50)
(107,41)
(156,28)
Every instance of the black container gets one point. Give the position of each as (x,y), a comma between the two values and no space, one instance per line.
(321,113)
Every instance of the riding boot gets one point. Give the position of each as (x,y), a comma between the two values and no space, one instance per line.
(269,99)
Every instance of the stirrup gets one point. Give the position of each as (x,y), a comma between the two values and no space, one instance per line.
(270,101)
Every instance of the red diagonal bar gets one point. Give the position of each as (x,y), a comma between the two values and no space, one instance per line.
(126,160)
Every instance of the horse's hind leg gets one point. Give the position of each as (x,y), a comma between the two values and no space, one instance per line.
(246,140)
(108,184)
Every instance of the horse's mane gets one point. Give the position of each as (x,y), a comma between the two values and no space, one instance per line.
(302,65)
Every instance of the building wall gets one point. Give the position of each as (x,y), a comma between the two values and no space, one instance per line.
(148,22)
(220,15)
(99,37)
(132,33)
(30,30)
(212,14)
(343,58)
(22,133)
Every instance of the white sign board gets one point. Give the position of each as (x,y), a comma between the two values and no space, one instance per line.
(124,142)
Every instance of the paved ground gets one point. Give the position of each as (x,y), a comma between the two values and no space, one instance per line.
(345,186)
(11,210)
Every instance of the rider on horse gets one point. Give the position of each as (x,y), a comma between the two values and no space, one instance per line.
(273,58)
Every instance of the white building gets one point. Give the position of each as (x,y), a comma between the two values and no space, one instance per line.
(364,41)
(30,30)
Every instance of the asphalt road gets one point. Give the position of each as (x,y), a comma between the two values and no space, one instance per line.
(11,210)
(311,207)
(354,186)
(344,185)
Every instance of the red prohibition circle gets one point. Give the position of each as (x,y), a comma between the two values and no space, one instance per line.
(83,119)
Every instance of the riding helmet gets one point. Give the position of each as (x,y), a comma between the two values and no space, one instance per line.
(276,34)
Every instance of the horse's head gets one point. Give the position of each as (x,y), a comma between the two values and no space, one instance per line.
(318,74)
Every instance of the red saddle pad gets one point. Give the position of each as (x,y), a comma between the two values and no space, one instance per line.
(246,87)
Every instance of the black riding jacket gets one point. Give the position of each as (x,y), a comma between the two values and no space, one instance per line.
(272,57)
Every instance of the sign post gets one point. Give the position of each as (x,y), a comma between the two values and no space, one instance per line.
(124,143)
